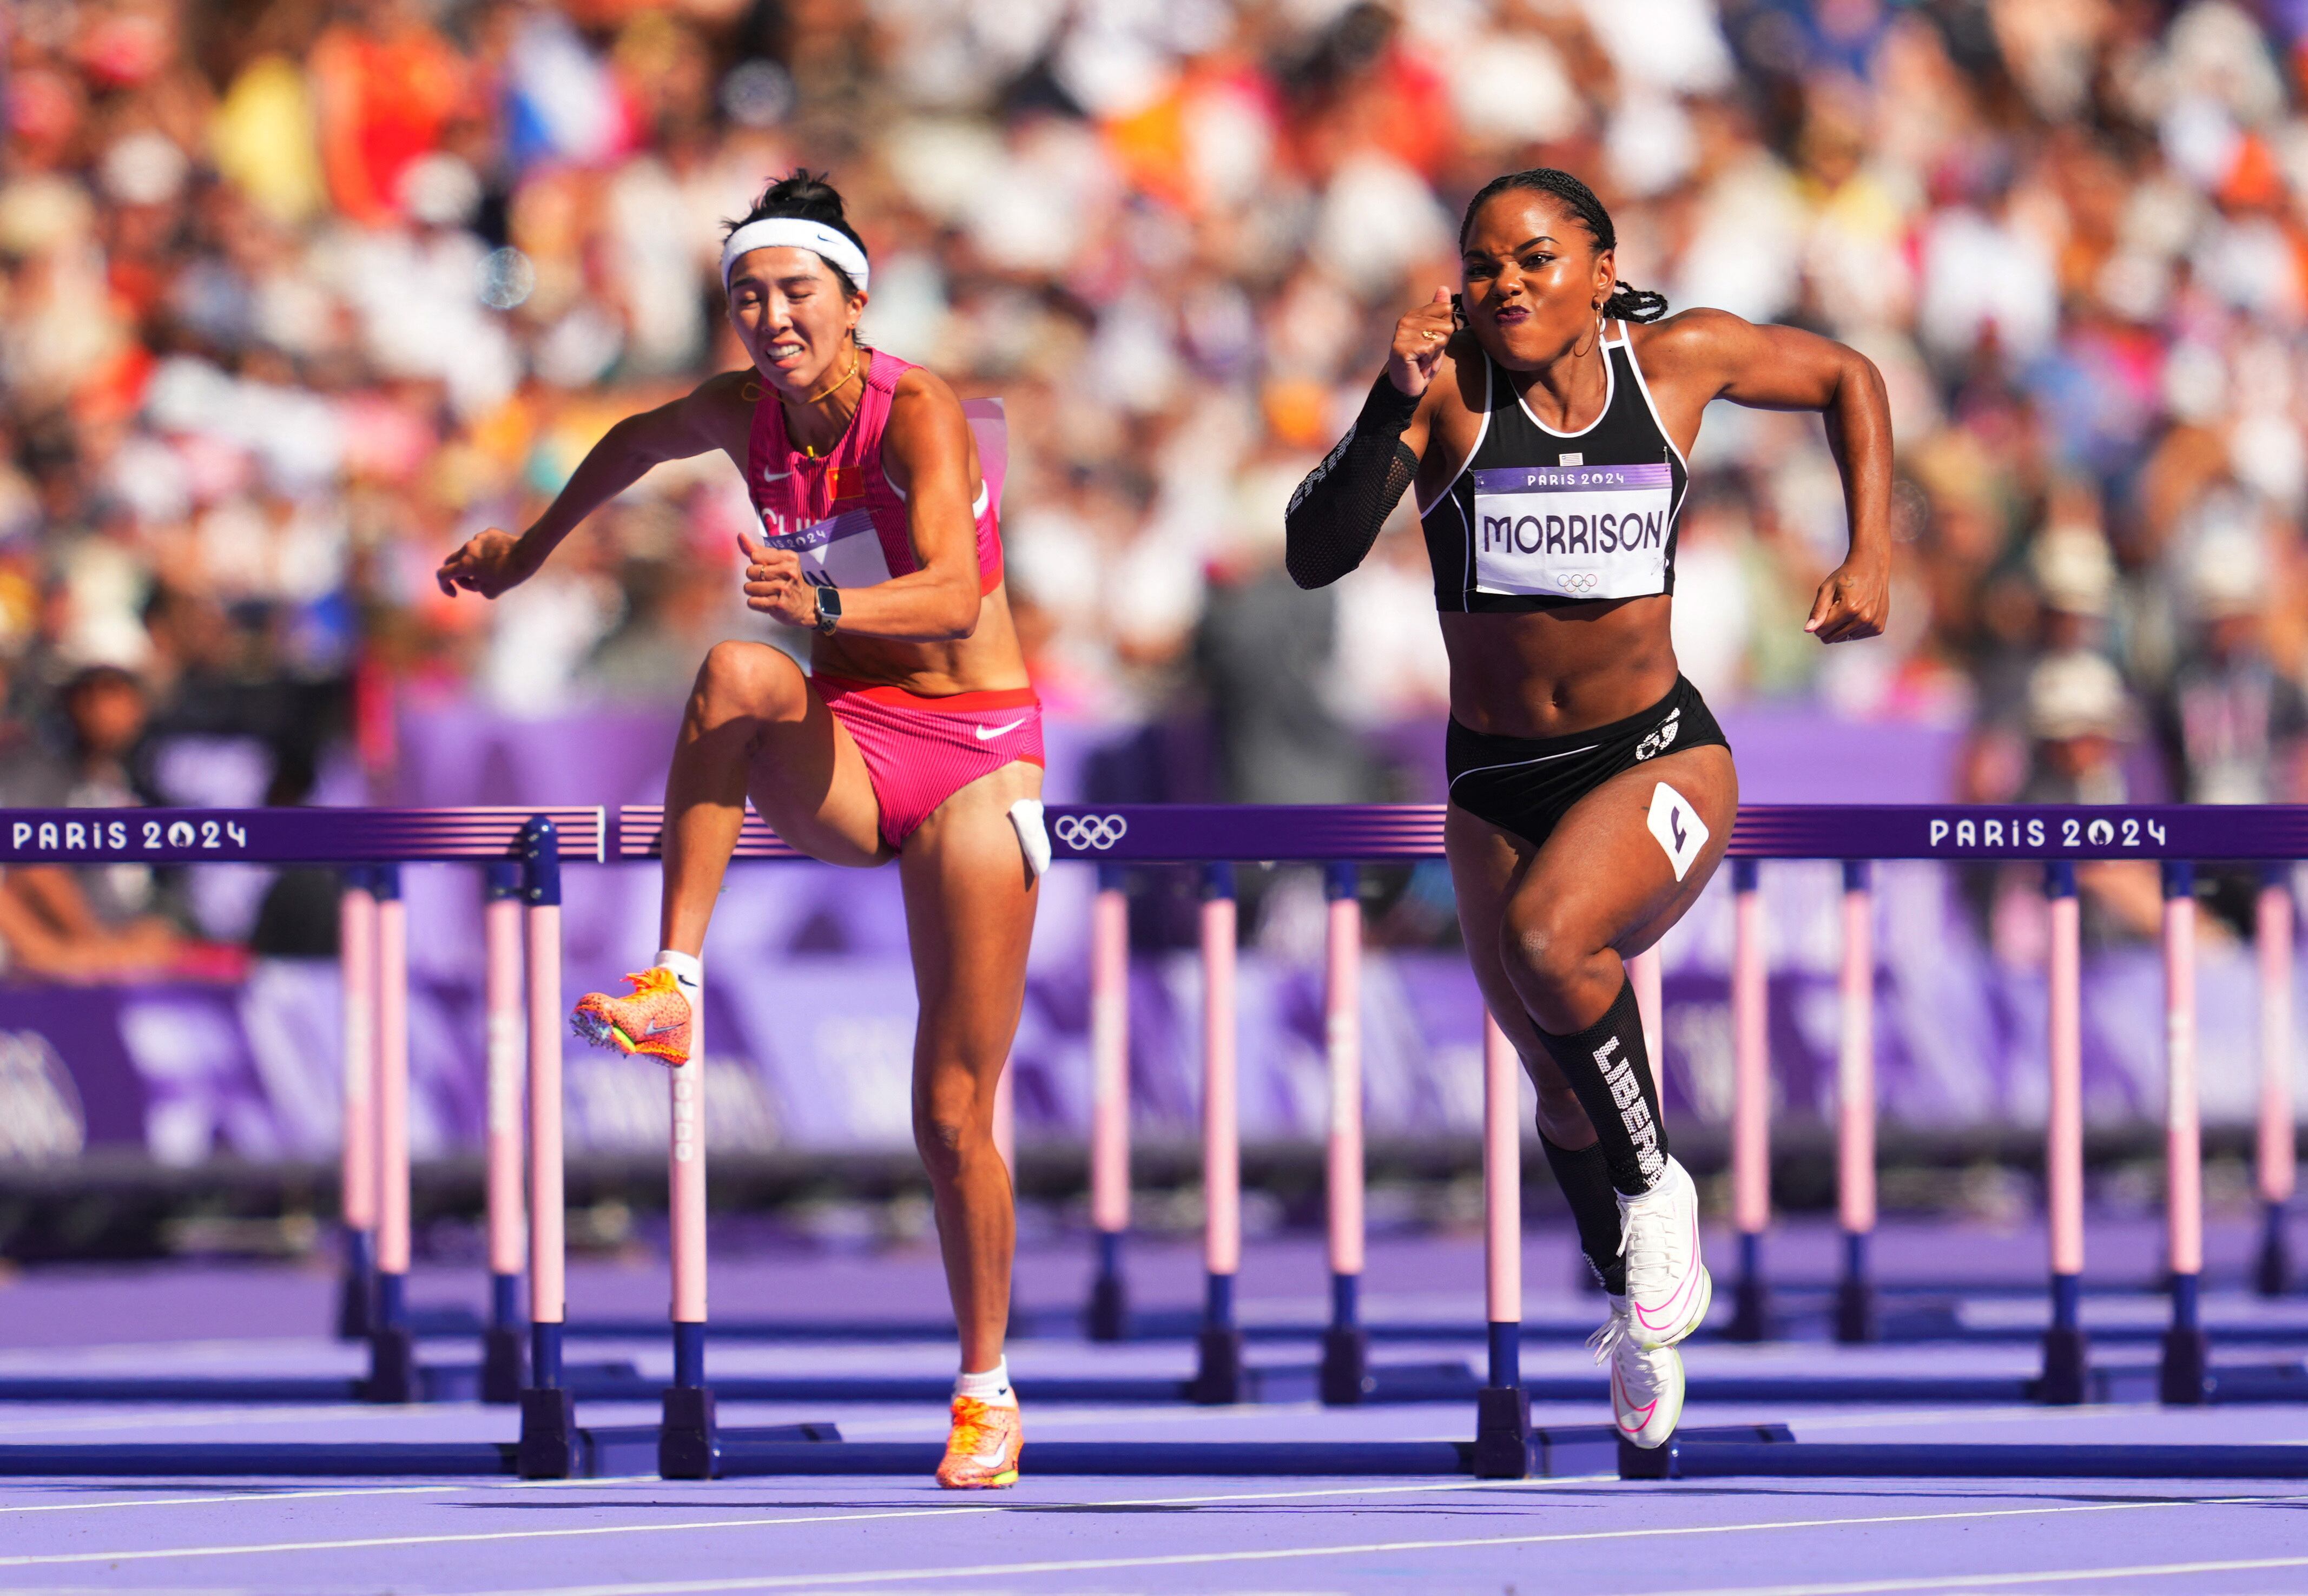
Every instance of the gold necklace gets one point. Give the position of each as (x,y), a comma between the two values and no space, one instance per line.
(808,452)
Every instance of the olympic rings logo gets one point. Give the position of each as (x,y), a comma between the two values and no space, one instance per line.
(1580,581)
(1100,832)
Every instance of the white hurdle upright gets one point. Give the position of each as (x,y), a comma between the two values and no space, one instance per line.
(1751,1102)
(1854,1126)
(1501,1407)
(548,1449)
(1218,1362)
(503,1338)
(2274,1167)
(393,1375)
(357,1195)
(2184,1375)
(1106,1317)
(1345,1376)
(688,1444)
(2067,1359)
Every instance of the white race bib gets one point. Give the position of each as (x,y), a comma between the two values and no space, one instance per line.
(1577,532)
(841,551)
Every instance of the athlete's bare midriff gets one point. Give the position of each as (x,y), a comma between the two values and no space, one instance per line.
(1552,672)
(989,660)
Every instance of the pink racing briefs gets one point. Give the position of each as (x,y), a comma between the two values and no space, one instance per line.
(919,752)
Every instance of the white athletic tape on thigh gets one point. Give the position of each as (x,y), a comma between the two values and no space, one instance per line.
(1033,838)
(1678,828)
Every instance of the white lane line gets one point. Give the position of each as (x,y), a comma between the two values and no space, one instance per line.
(755,1522)
(264,1494)
(1969,1582)
(1372,1547)
(257,1494)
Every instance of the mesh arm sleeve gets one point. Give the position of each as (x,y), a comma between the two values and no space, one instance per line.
(1335,515)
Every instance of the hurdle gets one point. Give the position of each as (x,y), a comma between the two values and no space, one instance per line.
(2067,1376)
(1222,1373)
(523,850)
(1505,1445)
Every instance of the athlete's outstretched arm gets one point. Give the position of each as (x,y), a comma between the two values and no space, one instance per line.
(1785,368)
(1336,514)
(692,424)
(925,453)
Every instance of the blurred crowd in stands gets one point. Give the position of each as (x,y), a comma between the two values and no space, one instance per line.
(297,294)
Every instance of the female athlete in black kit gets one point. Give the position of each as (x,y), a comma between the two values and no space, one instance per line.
(1547,426)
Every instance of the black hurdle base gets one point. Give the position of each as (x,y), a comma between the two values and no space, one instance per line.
(2067,1377)
(1346,1378)
(1218,1372)
(1503,1435)
(547,1448)
(2185,1377)
(2271,1269)
(590,1453)
(393,1375)
(689,1445)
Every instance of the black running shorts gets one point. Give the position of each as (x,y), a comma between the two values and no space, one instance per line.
(1526,785)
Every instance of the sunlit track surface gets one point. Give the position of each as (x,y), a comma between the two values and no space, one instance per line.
(638,1536)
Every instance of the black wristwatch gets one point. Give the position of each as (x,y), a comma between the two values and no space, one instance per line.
(829,609)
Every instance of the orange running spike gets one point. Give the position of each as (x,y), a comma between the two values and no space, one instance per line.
(653,1018)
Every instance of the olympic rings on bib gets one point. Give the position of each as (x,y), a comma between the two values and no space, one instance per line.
(1090,831)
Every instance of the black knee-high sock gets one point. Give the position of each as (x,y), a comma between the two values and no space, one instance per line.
(1609,1071)
(1585,1178)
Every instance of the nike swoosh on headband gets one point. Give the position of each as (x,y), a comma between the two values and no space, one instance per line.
(794,232)
(986,734)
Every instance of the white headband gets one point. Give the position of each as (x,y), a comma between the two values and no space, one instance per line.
(793,232)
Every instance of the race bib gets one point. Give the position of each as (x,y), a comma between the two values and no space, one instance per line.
(841,551)
(1580,532)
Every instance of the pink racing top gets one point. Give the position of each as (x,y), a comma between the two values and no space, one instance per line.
(840,510)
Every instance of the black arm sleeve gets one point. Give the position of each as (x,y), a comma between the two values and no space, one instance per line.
(1335,515)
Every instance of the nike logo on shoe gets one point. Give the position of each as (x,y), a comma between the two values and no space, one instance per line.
(986,734)
(660,1028)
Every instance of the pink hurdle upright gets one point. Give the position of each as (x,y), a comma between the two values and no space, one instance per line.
(2274,1166)
(1107,1315)
(1219,1350)
(502,1351)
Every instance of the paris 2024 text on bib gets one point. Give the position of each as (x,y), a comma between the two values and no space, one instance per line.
(1582,531)
(841,551)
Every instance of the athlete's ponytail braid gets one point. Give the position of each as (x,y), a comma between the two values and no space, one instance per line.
(1627,303)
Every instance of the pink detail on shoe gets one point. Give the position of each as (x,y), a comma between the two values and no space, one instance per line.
(1666,1318)
(1618,1390)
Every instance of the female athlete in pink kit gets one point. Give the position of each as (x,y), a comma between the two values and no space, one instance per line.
(915,735)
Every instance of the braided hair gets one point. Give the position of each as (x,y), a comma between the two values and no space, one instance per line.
(1627,303)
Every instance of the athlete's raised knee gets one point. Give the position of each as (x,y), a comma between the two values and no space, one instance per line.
(1558,960)
(742,681)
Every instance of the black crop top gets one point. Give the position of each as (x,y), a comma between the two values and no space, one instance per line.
(1535,518)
